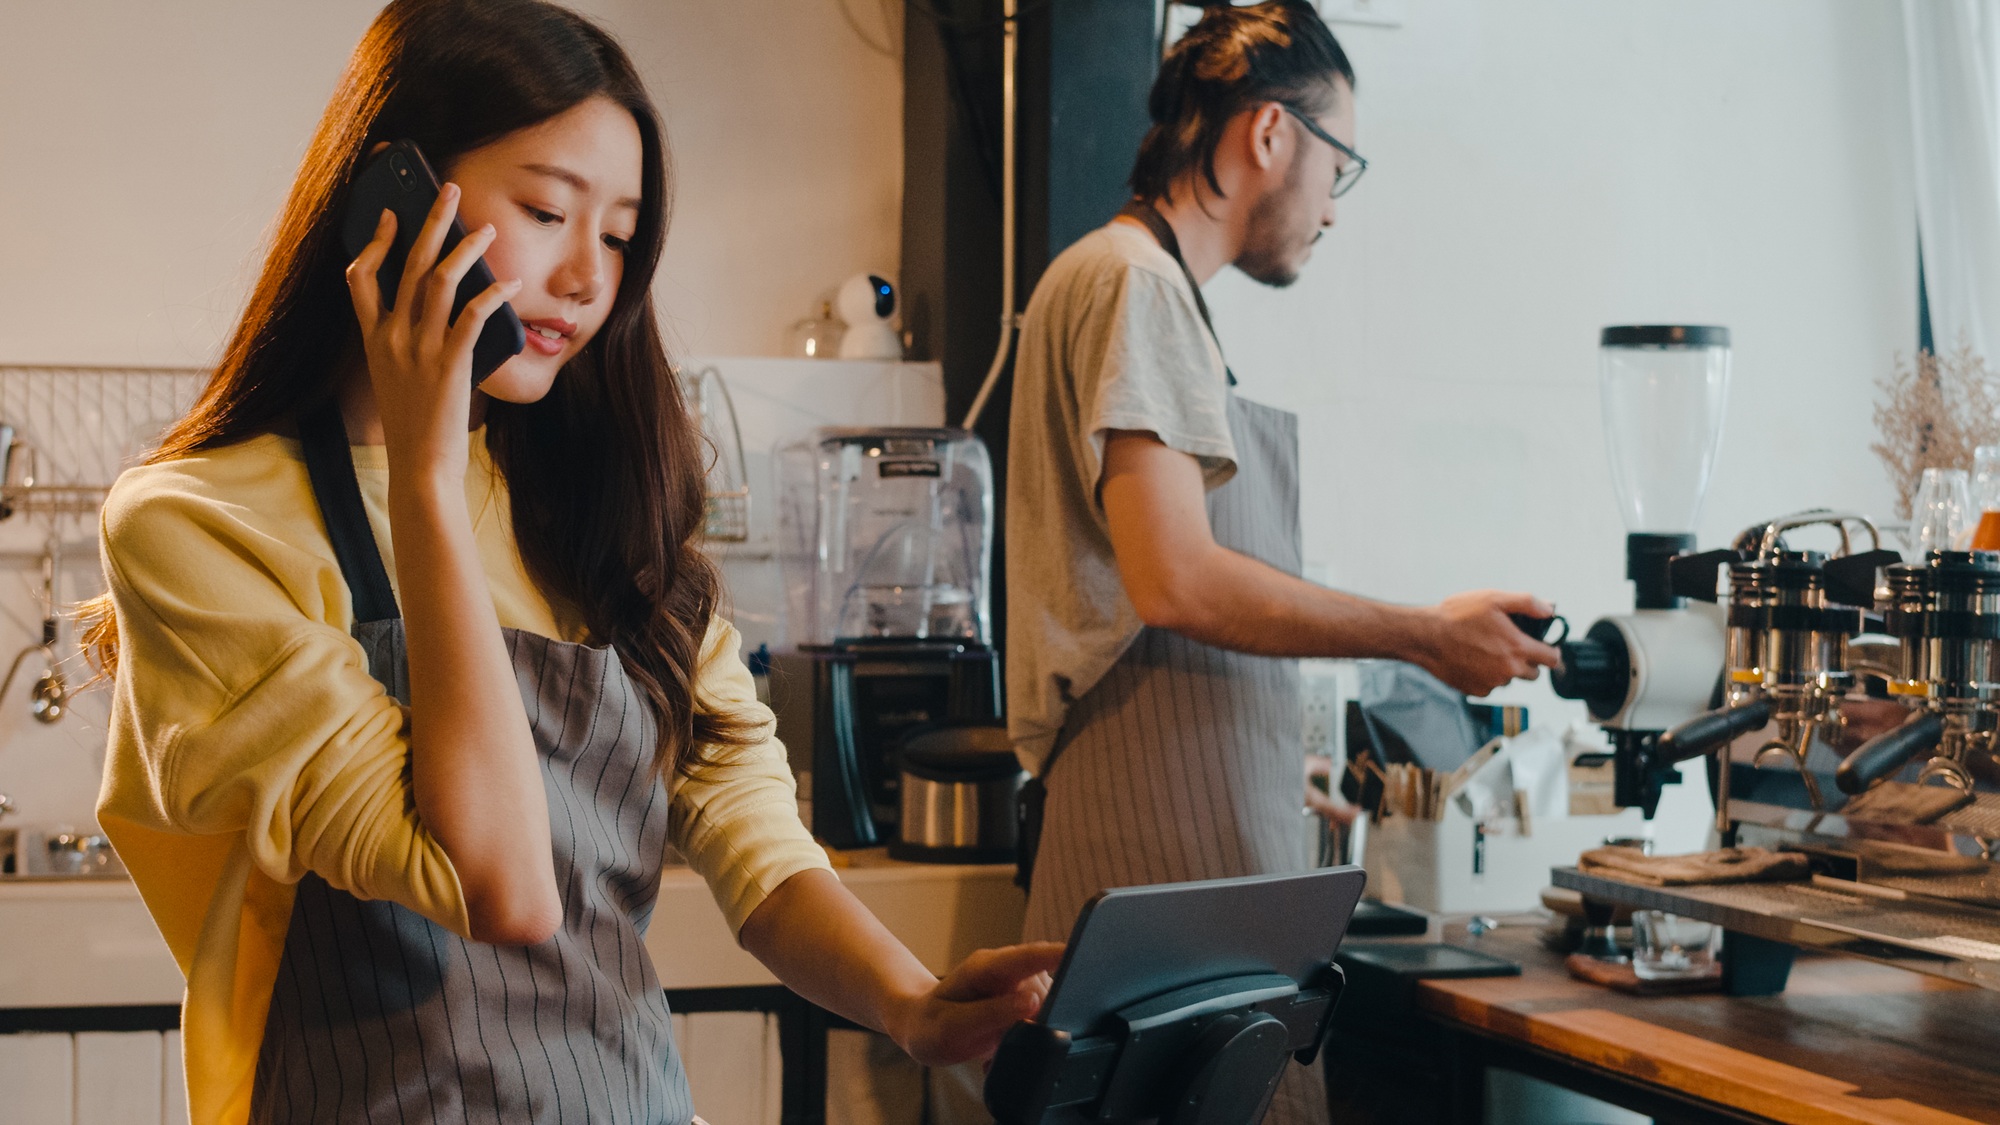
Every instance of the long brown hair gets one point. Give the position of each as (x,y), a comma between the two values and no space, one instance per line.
(606,472)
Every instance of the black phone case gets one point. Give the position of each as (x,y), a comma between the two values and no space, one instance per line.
(398,179)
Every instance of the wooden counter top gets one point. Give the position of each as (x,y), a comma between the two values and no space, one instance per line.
(1847,1042)
(941,911)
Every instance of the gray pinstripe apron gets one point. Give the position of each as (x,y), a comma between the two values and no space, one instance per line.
(1185,761)
(382,1015)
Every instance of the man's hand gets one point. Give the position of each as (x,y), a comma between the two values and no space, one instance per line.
(974,1005)
(1473,646)
(1321,800)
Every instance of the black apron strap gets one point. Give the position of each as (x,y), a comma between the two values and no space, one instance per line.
(330,465)
(1163,232)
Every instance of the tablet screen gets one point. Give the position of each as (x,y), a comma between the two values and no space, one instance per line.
(1137,942)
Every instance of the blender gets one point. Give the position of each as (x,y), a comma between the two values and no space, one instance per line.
(1663,389)
(886,542)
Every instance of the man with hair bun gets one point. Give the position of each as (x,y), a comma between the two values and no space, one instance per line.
(1156,613)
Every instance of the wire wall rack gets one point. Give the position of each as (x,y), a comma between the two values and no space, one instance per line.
(67,432)
(727,518)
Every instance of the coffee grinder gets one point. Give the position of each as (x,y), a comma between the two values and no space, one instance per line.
(886,541)
(1663,390)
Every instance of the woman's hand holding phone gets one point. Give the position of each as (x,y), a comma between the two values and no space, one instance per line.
(419,360)
(475,774)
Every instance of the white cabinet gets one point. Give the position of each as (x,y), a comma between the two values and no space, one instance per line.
(119,1078)
(87,944)
(174,1091)
(733,1065)
(92,1078)
(38,1078)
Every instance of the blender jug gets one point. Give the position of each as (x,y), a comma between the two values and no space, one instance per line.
(888,535)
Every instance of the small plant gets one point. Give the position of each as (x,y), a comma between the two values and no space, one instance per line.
(1937,410)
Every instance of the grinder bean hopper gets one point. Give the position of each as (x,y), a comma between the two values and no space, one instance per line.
(1663,389)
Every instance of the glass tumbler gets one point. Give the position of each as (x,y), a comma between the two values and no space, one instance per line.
(1672,947)
(1986,497)
(1942,511)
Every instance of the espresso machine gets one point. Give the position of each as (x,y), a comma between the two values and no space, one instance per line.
(1861,727)
(886,543)
(1662,389)
(1798,621)
(1846,702)
(1945,614)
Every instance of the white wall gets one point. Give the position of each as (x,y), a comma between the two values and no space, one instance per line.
(1540,169)
(145,148)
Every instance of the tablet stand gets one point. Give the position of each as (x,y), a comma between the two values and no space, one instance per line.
(1204,1054)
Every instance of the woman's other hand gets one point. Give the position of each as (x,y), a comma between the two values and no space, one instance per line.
(419,360)
(829,948)
(965,1015)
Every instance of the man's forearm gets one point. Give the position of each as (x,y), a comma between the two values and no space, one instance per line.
(1178,577)
(1235,602)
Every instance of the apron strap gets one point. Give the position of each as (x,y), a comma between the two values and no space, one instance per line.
(330,465)
(1163,232)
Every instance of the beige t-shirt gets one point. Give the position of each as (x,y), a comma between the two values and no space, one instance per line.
(1112,340)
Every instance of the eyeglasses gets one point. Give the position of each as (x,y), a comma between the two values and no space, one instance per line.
(1345,177)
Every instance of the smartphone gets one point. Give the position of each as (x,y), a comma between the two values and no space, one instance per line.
(398,179)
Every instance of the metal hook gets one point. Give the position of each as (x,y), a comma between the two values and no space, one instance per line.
(1947,770)
(49,700)
(1795,756)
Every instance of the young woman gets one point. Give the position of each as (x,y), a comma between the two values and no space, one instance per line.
(414,683)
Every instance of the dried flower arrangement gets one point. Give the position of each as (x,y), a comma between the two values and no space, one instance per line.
(1936,412)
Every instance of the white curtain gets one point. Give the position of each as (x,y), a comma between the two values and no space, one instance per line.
(1954,57)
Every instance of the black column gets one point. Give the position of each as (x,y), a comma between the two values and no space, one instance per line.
(1084,69)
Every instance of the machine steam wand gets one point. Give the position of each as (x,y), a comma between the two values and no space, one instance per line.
(1792,615)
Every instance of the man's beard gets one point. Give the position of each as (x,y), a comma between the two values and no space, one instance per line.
(1268,239)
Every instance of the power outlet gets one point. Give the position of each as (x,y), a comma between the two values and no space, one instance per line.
(1324,689)
(1380,13)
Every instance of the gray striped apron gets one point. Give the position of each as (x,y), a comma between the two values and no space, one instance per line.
(1186,761)
(381,1015)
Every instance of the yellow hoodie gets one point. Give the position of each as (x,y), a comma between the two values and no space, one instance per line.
(249,744)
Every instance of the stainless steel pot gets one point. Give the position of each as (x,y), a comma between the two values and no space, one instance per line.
(960,786)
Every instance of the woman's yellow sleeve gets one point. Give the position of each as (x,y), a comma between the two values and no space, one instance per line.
(737,819)
(242,705)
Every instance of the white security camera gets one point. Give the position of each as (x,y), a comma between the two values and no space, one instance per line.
(868,304)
